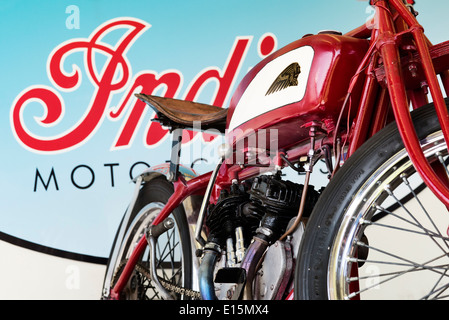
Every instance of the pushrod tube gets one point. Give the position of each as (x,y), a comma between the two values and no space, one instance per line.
(395,82)
(202,214)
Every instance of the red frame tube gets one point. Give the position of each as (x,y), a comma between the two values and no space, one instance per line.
(381,112)
(364,117)
(390,54)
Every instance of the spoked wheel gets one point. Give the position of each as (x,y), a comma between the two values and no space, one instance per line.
(173,252)
(378,232)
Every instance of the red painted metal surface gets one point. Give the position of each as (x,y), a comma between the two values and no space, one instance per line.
(336,59)
(396,85)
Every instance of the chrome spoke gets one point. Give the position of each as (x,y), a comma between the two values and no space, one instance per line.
(395,235)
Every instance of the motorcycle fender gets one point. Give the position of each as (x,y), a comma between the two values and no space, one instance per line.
(163,170)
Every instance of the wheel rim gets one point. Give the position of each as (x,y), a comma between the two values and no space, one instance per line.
(169,264)
(392,242)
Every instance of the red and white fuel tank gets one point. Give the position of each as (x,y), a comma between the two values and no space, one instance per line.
(304,81)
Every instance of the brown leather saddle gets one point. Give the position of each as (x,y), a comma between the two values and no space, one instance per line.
(181,114)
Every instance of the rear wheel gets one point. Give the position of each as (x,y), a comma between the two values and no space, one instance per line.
(377,231)
(173,252)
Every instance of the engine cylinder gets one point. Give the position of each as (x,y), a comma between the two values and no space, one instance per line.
(279,201)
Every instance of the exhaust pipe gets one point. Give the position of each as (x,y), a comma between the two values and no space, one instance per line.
(250,262)
(211,254)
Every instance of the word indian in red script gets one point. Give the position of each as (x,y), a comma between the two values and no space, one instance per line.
(107,82)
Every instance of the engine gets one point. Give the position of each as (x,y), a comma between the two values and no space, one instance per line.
(256,211)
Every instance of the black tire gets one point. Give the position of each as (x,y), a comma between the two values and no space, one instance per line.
(175,267)
(351,218)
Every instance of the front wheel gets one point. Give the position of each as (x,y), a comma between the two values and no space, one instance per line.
(377,231)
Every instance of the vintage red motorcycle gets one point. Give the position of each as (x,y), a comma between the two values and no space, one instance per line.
(359,103)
